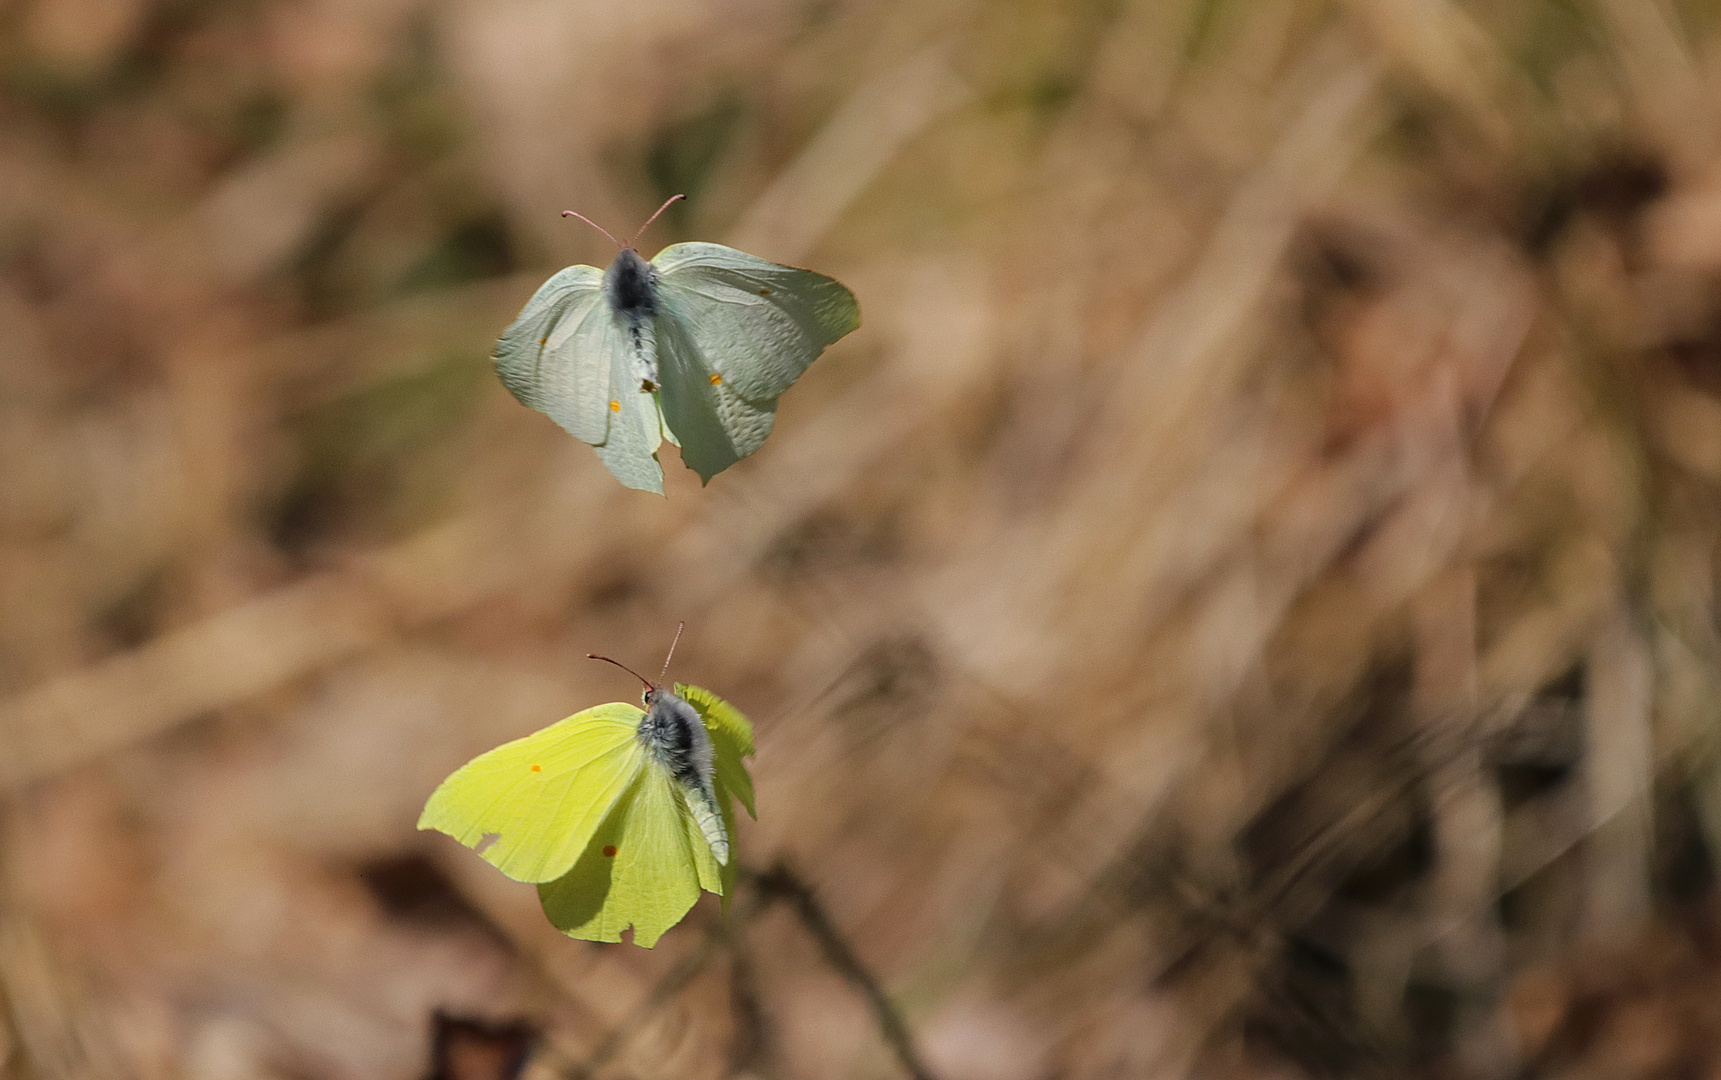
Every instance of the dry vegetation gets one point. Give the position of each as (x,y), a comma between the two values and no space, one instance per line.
(1243,604)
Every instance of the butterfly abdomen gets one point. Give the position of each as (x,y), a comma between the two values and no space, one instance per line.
(630,287)
(676,737)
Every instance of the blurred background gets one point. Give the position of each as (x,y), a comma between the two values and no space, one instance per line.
(1243,603)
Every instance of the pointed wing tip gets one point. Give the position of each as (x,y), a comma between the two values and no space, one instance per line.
(848,318)
(428,818)
(704,477)
(647,488)
(650,487)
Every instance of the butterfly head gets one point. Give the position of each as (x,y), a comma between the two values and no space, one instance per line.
(654,691)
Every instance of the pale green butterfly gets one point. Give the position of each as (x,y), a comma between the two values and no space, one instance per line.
(621,815)
(694,346)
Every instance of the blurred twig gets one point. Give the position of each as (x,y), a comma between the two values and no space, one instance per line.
(752,1050)
(781,882)
(850,151)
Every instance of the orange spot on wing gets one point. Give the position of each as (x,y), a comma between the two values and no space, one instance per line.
(764,292)
(543,341)
(615,406)
(715,378)
(537,768)
(609,851)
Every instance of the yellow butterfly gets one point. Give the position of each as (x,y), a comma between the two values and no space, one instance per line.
(620,814)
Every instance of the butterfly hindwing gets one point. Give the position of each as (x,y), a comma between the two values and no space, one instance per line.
(643,869)
(531,807)
(731,740)
(690,405)
(630,451)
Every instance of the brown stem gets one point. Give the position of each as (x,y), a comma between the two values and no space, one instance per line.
(781,882)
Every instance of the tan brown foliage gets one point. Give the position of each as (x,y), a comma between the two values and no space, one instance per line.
(1243,604)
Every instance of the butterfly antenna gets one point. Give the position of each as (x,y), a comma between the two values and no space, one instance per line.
(679,627)
(606,232)
(653,218)
(624,667)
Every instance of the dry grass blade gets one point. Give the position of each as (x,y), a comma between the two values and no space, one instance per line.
(1242,604)
(787,220)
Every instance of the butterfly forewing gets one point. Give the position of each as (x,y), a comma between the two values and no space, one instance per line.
(550,357)
(757,324)
(532,806)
